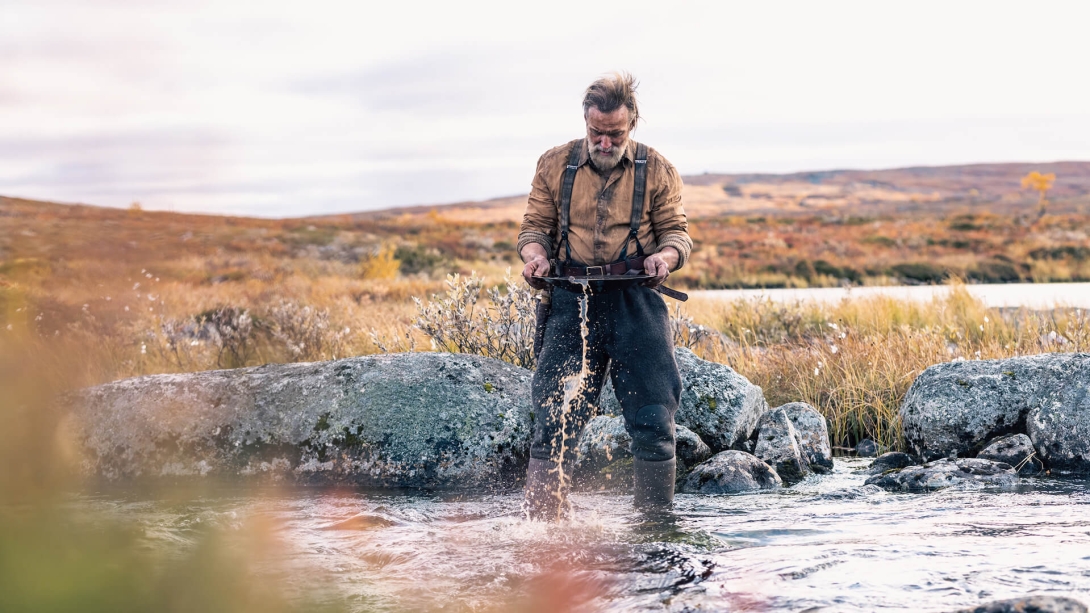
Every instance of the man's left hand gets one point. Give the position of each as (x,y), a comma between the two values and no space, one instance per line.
(658,265)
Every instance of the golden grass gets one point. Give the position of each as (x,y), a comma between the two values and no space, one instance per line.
(855,360)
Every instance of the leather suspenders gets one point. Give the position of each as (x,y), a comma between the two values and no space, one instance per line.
(639,190)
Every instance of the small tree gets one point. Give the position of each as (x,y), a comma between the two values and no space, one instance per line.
(1041,184)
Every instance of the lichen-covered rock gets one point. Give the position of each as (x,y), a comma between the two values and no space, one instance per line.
(400,420)
(1059,426)
(889,461)
(947,473)
(812,434)
(777,445)
(604,456)
(1016,450)
(955,408)
(731,472)
(718,404)
(1030,604)
(691,451)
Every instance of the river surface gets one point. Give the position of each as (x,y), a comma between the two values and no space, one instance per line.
(1031,295)
(827,544)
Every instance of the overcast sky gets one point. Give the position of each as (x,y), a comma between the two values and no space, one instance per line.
(256,108)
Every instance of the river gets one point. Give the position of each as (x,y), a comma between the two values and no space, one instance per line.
(1031,295)
(827,544)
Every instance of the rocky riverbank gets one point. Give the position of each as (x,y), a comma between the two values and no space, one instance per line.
(436,420)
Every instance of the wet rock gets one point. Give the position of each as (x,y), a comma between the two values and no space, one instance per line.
(731,472)
(777,445)
(604,456)
(864,491)
(717,403)
(889,461)
(1030,604)
(399,420)
(866,448)
(1016,450)
(946,473)
(691,451)
(954,408)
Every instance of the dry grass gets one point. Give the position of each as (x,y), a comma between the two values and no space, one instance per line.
(855,360)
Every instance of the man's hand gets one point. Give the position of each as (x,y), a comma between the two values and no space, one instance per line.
(658,265)
(537,265)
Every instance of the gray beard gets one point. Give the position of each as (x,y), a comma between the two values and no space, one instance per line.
(606,162)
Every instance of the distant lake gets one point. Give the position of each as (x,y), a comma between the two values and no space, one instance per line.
(1032,295)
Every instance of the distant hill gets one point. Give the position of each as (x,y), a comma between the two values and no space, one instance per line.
(994,187)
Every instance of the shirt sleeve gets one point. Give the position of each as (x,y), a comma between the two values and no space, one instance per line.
(539,222)
(667,214)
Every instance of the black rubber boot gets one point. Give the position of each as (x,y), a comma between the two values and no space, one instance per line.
(654,481)
(546,497)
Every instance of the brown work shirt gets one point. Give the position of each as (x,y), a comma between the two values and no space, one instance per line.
(601,207)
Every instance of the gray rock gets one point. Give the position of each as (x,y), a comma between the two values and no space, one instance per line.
(604,456)
(717,403)
(400,420)
(731,472)
(1059,426)
(866,448)
(691,451)
(1030,604)
(1016,450)
(947,473)
(889,461)
(777,445)
(812,434)
(954,408)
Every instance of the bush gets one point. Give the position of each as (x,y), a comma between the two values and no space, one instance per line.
(417,259)
(921,272)
(458,322)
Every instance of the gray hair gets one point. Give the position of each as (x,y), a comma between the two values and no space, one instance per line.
(610,92)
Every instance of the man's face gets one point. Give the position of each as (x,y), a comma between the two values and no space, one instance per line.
(607,134)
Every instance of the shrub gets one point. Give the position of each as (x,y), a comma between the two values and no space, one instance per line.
(381,264)
(921,272)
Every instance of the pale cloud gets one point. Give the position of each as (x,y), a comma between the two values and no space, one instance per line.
(298,108)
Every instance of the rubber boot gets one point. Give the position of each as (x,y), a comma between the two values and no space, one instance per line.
(546,498)
(654,483)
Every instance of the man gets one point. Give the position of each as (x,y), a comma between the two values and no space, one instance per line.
(624,214)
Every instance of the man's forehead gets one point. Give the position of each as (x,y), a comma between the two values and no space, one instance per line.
(617,119)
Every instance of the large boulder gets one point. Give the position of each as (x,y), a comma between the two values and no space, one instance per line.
(947,473)
(604,456)
(1030,604)
(731,472)
(1059,426)
(718,404)
(1016,450)
(953,409)
(777,445)
(400,420)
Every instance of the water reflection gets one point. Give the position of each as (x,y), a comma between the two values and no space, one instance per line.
(828,544)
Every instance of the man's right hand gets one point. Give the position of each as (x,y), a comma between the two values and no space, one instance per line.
(538,266)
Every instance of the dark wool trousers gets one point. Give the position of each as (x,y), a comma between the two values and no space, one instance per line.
(629,336)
